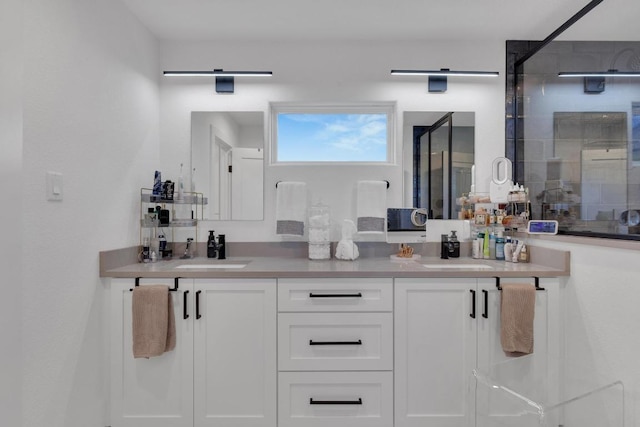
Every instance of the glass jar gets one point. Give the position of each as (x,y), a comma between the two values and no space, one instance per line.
(319,232)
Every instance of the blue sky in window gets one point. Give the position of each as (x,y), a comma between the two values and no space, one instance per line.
(332,137)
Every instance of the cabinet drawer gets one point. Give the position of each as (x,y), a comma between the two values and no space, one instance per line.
(335,294)
(338,399)
(335,341)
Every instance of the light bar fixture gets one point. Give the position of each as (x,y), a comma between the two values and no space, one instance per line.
(224,79)
(438,78)
(594,80)
(610,73)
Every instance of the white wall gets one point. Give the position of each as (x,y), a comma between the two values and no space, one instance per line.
(337,73)
(91,102)
(11,213)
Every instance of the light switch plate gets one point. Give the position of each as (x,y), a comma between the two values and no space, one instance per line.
(54,186)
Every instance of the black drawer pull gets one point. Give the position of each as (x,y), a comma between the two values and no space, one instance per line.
(198,315)
(185,313)
(335,402)
(473,304)
(358,295)
(485,313)
(312,342)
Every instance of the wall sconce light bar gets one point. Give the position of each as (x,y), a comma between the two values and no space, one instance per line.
(444,72)
(224,79)
(218,73)
(438,78)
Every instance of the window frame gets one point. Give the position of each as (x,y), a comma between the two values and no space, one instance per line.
(387,108)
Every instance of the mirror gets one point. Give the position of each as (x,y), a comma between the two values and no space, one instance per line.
(227,163)
(442,158)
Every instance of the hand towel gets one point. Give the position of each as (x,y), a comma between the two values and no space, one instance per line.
(517,308)
(154,328)
(291,208)
(372,206)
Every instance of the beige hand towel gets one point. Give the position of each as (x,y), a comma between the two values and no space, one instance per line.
(154,328)
(517,308)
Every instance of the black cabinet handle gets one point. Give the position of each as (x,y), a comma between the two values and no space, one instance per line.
(335,402)
(185,312)
(312,342)
(198,305)
(358,295)
(473,304)
(485,310)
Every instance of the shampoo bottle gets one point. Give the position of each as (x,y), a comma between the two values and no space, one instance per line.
(211,245)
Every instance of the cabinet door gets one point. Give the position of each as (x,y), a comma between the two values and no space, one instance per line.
(235,353)
(435,352)
(532,376)
(154,392)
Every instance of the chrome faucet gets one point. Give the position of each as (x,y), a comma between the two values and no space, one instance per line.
(187,250)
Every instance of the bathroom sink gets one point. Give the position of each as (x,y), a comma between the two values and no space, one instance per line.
(212,265)
(443,266)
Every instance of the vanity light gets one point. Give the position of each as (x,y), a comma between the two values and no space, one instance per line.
(438,78)
(594,80)
(224,79)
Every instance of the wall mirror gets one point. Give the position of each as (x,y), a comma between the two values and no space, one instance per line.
(227,163)
(443,155)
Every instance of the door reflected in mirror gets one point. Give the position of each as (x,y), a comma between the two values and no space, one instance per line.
(443,156)
(227,163)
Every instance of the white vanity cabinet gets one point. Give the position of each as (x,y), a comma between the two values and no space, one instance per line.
(335,352)
(222,372)
(445,328)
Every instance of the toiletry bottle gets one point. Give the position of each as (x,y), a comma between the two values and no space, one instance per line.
(162,245)
(454,245)
(500,248)
(145,250)
(492,246)
(508,250)
(211,245)
(444,246)
(480,240)
(485,245)
(475,249)
(221,247)
(524,254)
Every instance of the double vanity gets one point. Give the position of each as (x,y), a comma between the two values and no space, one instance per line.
(290,342)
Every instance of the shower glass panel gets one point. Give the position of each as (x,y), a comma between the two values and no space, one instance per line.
(577,139)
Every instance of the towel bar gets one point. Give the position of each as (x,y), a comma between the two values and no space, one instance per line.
(536,282)
(174,289)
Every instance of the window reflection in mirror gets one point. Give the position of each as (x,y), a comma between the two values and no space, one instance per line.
(443,154)
(227,163)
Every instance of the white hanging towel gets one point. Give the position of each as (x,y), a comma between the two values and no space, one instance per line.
(372,206)
(291,208)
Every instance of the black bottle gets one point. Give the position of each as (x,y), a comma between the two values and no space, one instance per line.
(221,247)
(212,248)
(454,245)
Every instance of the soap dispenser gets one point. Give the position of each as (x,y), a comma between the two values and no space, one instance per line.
(454,245)
(212,247)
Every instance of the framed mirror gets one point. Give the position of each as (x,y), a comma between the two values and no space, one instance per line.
(227,163)
(442,158)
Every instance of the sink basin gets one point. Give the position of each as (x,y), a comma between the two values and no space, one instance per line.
(444,266)
(207,266)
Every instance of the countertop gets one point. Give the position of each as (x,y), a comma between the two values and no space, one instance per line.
(283,267)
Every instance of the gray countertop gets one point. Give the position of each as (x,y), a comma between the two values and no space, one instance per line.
(283,267)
